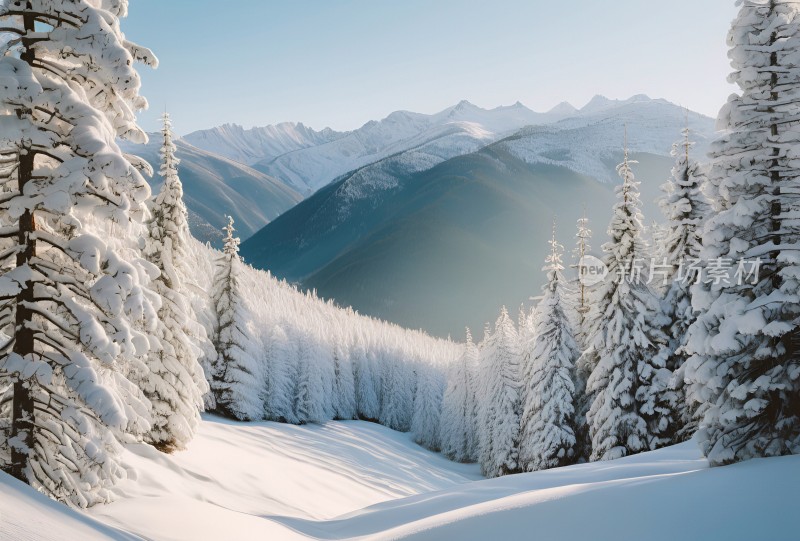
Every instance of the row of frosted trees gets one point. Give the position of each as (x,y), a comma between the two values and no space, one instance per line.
(584,375)
(116,326)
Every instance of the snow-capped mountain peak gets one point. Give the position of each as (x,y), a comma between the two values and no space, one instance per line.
(563,109)
(598,103)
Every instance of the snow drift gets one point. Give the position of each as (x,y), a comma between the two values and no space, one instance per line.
(342,481)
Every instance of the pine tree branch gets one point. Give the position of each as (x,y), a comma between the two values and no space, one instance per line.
(45,18)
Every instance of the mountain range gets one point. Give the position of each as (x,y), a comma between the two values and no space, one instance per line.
(437,242)
(308,160)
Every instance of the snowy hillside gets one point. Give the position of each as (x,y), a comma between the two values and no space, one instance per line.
(357,480)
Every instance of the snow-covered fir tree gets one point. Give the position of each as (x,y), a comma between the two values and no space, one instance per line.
(368,403)
(312,401)
(68,302)
(626,387)
(175,382)
(344,394)
(458,428)
(744,372)
(279,378)
(547,437)
(235,377)
(582,289)
(686,208)
(426,422)
(499,410)
(397,394)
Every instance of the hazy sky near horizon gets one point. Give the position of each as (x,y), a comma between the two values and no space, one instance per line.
(341,63)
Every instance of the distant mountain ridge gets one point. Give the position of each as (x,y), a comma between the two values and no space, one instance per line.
(307,160)
(250,146)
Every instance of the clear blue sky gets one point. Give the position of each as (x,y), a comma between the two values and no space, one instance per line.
(340,63)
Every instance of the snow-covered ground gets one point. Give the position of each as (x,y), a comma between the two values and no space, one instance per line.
(357,480)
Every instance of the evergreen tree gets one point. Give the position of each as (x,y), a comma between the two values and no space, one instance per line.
(312,399)
(686,208)
(345,392)
(629,410)
(68,301)
(235,377)
(744,373)
(279,378)
(397,395)
(458,428)
(426,422)
(499,412)
(582,290)
(549,353)
(175,382)
(368,402)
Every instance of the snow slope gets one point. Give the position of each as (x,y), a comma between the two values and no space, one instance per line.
(362,481)
(26,515)
(665,495)
(238,481)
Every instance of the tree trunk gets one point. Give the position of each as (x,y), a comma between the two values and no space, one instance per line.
(22,420)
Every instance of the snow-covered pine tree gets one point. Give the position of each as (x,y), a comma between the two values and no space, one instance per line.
(279,378)
(67,300)
(345,392)
(581,290)
(310,393)
(744,371)
(686,208)
(235,378)
(549,354)
(368,404)
(175,382)
(626,390)
(397,393)
(499,410)
(458,427)
(427,419)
